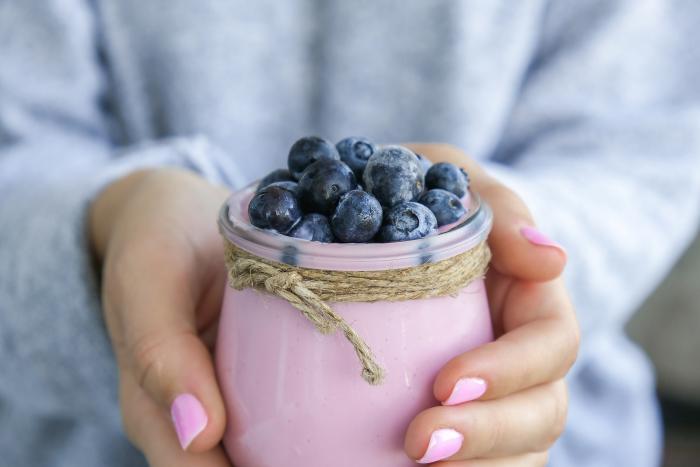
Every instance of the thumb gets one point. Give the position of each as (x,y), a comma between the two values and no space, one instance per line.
(176,370)
(519,249)
(162,349)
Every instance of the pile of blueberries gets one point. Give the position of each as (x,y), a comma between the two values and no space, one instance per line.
(358,192)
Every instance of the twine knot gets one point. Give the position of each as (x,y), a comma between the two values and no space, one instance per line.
(310,290)
(282,281)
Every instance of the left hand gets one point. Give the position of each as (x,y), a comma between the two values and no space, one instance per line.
(154,234)
(523,408)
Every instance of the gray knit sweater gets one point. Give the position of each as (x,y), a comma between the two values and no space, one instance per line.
(589,108)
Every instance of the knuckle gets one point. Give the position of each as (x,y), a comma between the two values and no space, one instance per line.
(572,339)
(153,357)
(147,357)
(575,342)
(569,344)
(558,409)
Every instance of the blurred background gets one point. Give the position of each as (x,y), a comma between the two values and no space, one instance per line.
(668,324)
(668,328)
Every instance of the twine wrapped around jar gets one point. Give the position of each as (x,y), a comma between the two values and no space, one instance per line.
(311,290)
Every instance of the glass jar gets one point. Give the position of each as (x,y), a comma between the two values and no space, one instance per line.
(294,397)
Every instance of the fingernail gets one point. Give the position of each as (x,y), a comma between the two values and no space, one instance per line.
(465,390)
(443,444)
(536,237)
(188,417)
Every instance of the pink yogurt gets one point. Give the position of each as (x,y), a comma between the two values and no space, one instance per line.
(295,397)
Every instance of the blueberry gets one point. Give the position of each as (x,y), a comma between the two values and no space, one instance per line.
(444,204)
(274,207)
(355,152)
(424,162)
(393,175)
(279,175)
(323,183)
(465,175)
(357,218)
(308,150)
(314,227)
(407,221)
(448,177)
(287,185)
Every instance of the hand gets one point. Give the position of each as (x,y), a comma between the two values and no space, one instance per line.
(163,278)
(523,409)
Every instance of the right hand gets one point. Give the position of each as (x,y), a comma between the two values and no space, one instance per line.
(521,409)
(154,233)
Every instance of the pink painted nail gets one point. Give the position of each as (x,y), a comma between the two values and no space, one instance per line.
(465,390)
(443,444)
(188,417)
(536,237)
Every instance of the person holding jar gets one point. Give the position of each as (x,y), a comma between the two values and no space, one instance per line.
(123,126)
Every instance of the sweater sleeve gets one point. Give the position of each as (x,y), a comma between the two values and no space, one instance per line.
(55,155)
(603,143)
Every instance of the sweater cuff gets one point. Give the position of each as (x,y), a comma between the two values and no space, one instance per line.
(57,358)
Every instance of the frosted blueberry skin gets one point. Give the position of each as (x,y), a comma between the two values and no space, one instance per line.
(446,206)
(314,227)
(447,177)
(323,183)
(357,218)
(279,175)
(393,175)
(308,150)
(355,152)
(424,162)
(407,221)
(275,208)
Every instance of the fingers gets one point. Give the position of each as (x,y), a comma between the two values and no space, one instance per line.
(519,250)
(540,345)
(151,431)
(512,238)
(157,340)
(535,459)
(529,421)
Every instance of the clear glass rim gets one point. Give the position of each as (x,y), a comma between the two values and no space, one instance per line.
(466,234)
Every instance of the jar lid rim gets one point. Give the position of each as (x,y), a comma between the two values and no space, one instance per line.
(471,230)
